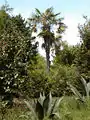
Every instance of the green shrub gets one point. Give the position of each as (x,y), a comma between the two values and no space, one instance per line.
(44,107)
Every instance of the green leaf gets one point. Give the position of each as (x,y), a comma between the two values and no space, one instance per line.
(57,14)
(85,86)
(55,105)
(24,116)
(52,107)
(41,98)
(76,93)
(31,109)
(88,86)
(37,10)
(58,103)
(39,111)
(55,114)
(47,103)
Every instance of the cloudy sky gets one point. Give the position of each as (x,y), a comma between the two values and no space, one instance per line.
(71,10)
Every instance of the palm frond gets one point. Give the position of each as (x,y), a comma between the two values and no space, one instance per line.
(49,10)
(38,11)
(57,14)
(43,45)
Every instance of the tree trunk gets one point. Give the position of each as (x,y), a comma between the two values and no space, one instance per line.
(47,49)
(47,46)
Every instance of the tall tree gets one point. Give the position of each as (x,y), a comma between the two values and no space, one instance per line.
(16,51)
(46,22)
(83,62)
(66,55)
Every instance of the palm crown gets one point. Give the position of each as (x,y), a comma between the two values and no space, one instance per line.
(45,21)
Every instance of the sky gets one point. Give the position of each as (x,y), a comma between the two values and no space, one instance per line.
(71,10)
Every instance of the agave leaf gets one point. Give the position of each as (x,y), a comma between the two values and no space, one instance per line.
(39,110)
(41,99)
(56,105)
(88,86)
(55,114)
(52,107)
(47,103)
(31,109)
(43,94)
(50,97)
(50,103)
(85,86)
(58,102)
(24,116)
(76,93)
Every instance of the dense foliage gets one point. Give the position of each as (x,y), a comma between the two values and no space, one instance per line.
(16,52)
(46,22)
(83,61)
(24,70)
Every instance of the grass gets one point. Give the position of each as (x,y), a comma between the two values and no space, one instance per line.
(70,109)
(74,110)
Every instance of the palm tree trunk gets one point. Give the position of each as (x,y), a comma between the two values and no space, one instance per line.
(47,49)
(47,46)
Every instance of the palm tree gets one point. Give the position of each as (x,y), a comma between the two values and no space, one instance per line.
(45,22)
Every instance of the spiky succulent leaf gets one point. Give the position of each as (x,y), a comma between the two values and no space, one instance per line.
(52,107)
(54,114)
(39,110)
(85,86)
(31,109)
(47,103)
(88,86)
(57,104)
(48,110)
(24,116)
(50,103)
(41,98)
(43,94)
(76,93)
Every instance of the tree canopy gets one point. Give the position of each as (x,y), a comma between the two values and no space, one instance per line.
(45,22)
(23,69)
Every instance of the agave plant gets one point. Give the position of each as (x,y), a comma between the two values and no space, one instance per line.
(86,86)
(44,107)
(77,94)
